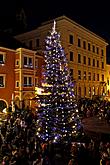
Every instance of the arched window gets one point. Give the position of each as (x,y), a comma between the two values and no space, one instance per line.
(2,105)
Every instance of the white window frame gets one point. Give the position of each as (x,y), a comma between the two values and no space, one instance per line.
(28,65)
(28,85)
(16,84)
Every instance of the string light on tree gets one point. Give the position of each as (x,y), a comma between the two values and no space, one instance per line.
(58,117)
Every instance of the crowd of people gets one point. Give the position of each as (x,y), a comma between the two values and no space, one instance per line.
(93,153)
(18,141)
(95,107)
(19,144)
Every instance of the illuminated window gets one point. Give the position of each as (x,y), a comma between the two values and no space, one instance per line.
(84,75)
(93,90)
(79,74)
(2,58)
(103,91)
(89,76)
(2,81)
(89,92)
(28,62)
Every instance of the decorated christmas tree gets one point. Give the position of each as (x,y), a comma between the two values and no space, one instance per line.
(58,117)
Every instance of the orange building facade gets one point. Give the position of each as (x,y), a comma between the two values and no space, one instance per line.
(20,73)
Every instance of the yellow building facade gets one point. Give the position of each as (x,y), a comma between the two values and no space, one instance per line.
(85,51)
(108,80)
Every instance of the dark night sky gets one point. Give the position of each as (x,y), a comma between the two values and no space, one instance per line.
(92,14)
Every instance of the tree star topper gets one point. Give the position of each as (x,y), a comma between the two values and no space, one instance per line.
(54,26)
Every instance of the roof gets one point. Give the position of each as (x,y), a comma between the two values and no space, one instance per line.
(65,18)
(76,24)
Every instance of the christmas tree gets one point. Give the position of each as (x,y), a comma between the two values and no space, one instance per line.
(58,117)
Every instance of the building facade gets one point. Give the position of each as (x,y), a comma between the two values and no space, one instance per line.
(20,73)
(85,51)
(108,80)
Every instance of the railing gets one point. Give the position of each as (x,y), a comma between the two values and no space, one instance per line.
(27,85)
(28,66)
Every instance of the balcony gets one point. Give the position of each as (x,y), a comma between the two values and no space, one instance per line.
(27,85)
(28,66)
